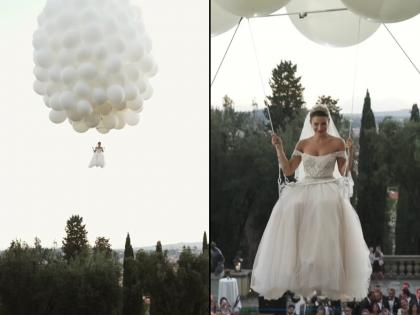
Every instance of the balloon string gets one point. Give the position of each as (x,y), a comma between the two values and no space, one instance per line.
(259,73)
(356,59)
(402,49)
(221,62)
(265,103)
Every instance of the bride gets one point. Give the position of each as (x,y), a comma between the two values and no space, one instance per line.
(98,156)
(313,240)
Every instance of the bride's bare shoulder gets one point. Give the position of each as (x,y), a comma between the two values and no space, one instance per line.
(339,143)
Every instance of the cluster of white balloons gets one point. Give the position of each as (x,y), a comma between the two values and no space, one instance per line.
(93,63)
(341,28)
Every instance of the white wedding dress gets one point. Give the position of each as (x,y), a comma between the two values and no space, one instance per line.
(313,239)
(97,159)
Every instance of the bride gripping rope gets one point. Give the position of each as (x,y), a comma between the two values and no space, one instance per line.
(313,239)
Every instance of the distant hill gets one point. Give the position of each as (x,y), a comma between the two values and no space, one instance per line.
(176,246)
(399,115)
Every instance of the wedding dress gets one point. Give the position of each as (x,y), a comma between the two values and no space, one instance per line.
(97,159)
(313,239)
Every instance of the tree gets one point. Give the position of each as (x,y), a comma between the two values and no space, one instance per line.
(102,245)
(132,295)
(159,247)
(76,240)
(286,100)
(205,247)
(371,187)
(415,116)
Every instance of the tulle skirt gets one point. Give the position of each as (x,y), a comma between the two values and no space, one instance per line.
(313,241)
(97,160)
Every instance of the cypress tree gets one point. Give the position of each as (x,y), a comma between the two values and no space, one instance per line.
(132,297)
(371,188)
(415,116)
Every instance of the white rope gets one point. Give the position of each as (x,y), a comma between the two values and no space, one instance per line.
(279,185)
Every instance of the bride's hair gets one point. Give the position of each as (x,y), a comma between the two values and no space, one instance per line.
(318,110)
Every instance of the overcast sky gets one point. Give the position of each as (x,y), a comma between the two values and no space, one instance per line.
(155,183)
(378,62)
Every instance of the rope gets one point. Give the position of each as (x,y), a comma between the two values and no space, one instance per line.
(356,58)
(260,75)
(396,41)
(221,62)
(279,185)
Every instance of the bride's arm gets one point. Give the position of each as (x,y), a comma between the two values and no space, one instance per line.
(345,165)
(341,160)
(288,166)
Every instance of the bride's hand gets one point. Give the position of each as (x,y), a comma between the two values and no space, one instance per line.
(276,141)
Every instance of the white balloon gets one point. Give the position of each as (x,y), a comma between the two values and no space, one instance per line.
(153,72)
(82,89)
(135,104)
(148,93)
(39,39)
(100,52)
(83,54)
(147,42)
(41,74)
(132,72)
(46,99)
(67,100)
(131,118)
(44,58)
(338,29)
(140,109)
(56,42)
(71,39)
(92,120)
(104,109)
(80,126)
(69,75)
(84,107)
(92,34)
(99,96)
(57,117)
(40,87)
(251,8)
(221,20)
(66,57)
(88,71)
(136,51)
(74,114)
(52,87)
(131,92)
(120,121)
(113,64)
(385,11)
(147,63)
(109,121)
(54,73)
(115,94)
(55,101)
(142,85)
(102,129)
(116,44)
(65,20)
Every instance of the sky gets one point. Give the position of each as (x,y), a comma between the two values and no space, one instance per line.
(377,64)
(155,182)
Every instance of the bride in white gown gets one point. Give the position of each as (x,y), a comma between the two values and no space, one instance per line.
(98,156)
(313,239)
